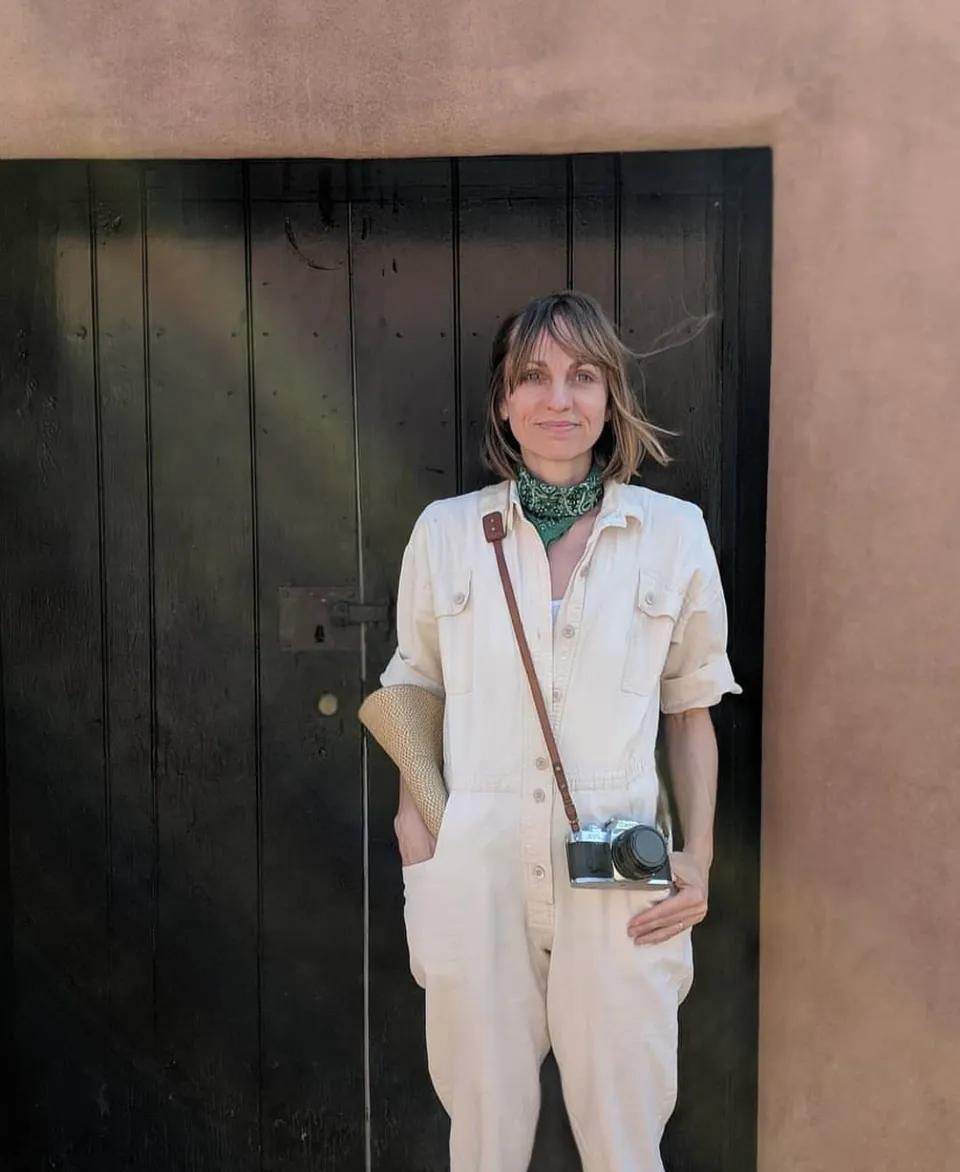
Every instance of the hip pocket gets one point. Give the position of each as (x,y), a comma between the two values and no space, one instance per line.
(417,917)
(428,909)
(651,632)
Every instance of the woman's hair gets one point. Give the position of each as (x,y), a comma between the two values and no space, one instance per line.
(578,324)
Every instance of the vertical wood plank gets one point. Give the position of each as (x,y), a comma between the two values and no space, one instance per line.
(747,232)
(406,396)
(313,1011)
(51,632)
(16,263)
(117,1061)
(7,1003)
(207,979)
(594,229)
(513,246)
(127,561)
(671,311)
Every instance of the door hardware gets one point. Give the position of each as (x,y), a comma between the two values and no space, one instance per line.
(327,618)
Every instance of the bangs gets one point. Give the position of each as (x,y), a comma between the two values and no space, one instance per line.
(569,324)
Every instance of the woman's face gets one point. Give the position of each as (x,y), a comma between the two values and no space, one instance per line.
(556,413)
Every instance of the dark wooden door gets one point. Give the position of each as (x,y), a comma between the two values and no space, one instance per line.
(221,383)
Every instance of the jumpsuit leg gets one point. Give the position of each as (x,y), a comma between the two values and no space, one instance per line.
(486,1022)
(612,1012)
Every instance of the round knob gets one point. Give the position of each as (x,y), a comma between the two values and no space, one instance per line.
(328,704)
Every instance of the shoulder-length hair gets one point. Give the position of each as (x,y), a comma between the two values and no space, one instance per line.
(577,323)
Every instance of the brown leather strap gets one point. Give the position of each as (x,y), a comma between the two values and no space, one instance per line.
(494,532)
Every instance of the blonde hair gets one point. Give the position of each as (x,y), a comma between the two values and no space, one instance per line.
(577,323)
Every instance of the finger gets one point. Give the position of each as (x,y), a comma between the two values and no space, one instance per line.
(689,916)
(684,905)
(662,934)
(663,931)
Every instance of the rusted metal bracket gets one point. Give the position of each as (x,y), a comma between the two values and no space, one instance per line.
(326,618)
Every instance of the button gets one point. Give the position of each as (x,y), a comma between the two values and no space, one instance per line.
(584,572)
(648,598)
(539,795)
(569,632)
(557,695)
(538,872)
(541,763)
(458,599)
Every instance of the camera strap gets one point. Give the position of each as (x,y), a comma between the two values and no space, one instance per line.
(494,532)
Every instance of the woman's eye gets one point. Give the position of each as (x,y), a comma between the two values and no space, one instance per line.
(586,376)
(530,376)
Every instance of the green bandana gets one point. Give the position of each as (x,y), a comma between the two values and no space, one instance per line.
(553,508)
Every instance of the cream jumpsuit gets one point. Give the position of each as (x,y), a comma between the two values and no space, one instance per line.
(512,959)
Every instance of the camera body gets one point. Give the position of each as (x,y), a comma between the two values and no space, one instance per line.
(619,852)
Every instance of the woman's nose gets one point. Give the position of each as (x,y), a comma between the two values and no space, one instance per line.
(558,394)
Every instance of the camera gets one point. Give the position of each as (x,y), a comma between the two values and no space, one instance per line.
(619,851)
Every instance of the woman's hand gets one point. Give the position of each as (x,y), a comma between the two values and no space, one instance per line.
(676,913)
(692,753)
(416,842)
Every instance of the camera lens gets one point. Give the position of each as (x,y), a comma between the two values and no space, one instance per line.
(638,852)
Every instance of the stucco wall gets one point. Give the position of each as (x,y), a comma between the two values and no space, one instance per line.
(860,1018)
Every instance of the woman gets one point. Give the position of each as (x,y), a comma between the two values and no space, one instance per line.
(621,604)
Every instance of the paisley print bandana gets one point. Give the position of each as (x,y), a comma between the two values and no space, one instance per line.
(553,508)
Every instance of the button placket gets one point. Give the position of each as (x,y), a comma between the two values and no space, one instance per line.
(535,819)
(536,825)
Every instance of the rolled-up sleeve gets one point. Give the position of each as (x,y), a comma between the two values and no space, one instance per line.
(417,657)
(697,672)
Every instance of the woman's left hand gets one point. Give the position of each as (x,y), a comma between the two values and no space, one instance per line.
(676,913)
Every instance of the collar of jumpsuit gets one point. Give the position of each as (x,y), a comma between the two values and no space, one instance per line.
(504,498)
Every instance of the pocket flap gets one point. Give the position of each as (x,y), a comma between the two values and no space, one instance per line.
(657,600)
(451,598)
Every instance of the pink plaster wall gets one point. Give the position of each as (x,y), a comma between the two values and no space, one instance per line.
(860,1011)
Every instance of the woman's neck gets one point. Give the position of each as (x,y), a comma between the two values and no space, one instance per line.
(562,473)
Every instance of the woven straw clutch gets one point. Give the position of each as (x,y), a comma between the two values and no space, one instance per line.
(407,723)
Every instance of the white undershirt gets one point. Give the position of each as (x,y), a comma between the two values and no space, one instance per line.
(555,607)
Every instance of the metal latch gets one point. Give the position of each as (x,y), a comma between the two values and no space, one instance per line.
(326,618)
(349,614)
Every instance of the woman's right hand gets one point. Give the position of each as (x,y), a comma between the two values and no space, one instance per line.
(416,842)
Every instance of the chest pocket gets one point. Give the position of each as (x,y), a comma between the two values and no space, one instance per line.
(453,606)
(651,632)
